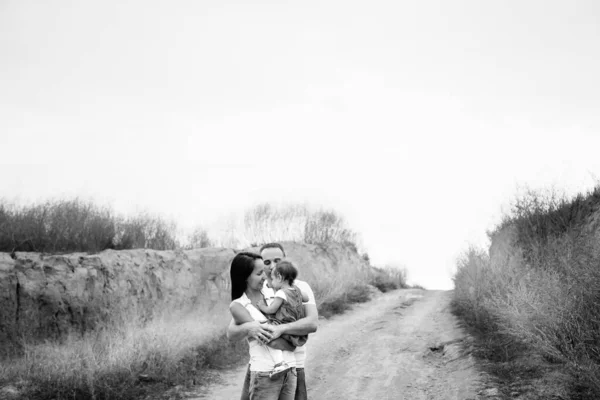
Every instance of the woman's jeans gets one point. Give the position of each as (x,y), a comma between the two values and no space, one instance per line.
(263,388)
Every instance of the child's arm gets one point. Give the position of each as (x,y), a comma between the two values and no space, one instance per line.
(272,309)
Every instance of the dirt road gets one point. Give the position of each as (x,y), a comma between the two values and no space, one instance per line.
(400,345)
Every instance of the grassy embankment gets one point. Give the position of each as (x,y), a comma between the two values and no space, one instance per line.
(533,300)
(127,358)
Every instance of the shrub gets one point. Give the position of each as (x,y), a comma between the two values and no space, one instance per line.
(388,278)
(540,292)
(358,294)
(332,307)
(542,216)
(296,222)
(198,239)
(62,226)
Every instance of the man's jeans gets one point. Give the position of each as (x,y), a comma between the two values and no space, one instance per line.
(300,385)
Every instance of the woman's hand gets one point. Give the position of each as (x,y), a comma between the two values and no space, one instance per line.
(260,331)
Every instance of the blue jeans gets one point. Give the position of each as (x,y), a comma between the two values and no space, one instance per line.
(263,388)
(300,385)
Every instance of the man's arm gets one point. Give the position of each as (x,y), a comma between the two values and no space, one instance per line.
(304,326)
(305,298)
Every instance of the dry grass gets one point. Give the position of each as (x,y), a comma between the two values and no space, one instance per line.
(333,296)
(110,363)
(336,297)
(535,305)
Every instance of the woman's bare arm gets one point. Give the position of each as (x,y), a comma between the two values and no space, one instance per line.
(243,325)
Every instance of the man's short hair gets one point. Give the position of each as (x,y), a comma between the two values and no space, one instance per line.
(273,246)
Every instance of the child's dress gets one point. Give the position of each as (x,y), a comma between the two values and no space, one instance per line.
(290,310)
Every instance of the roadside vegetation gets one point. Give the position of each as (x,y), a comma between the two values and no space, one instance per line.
(75,225)
(532,301)
(130,357)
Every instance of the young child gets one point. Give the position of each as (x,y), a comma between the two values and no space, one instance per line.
(286,306)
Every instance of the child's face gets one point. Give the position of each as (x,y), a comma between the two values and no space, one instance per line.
(276,281)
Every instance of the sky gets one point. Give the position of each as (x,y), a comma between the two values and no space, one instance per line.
(418,121)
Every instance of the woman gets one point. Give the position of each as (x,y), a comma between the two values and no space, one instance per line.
(247,278)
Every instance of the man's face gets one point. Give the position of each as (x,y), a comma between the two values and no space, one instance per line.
(271,257)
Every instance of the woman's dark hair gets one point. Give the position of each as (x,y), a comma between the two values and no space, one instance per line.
(287,270)
(242,266)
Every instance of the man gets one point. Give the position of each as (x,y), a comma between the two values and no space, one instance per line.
(272,253)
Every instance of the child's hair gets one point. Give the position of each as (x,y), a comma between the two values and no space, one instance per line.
(287,270)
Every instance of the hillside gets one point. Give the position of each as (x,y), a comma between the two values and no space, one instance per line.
(532,297)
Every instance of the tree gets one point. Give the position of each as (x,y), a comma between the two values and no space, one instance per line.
(198,239)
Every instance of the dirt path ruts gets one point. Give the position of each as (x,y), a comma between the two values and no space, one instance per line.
(382,350)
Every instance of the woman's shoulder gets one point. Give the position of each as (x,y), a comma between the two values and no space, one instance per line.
(243,300)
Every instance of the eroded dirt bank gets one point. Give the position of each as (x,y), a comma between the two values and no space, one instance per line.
(402,345)
(48,296)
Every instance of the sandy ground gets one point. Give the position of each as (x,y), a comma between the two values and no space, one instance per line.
(401,345)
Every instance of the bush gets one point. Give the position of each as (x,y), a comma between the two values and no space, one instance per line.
(266,223)
(389,278)
(332,307)
(145,232)
(56,226)
(540,217)
(198,239)
(62,226)
(358,294)
(540,291)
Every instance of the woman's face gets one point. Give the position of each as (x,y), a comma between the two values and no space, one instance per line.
(257,277)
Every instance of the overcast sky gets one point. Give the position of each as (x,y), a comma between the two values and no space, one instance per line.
(417,120)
